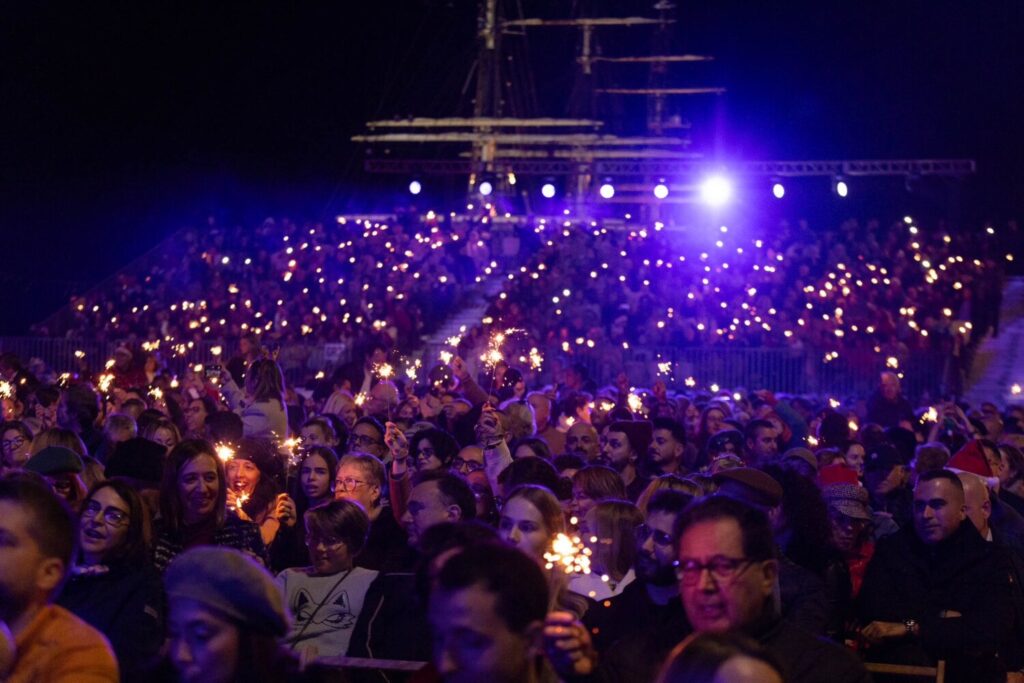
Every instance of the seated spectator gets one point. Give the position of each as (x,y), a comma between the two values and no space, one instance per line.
(163,432)
(51,643)
(622,445)
(112,586)
(16,444)
(437,497)
(318,431)
(593,484)
(666,452)
(226,616)
(501,597)
(936,590)
(193,507)
(670,482)
(326,597)
(62,469)
(360,479)
(255,489)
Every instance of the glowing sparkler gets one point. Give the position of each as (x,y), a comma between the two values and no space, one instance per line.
(446,357)
(224,452)
(1015,390)
(665,367)
(6,390)
(812,441)
(157,393)
(892,362)
(104,382)
(636,404)
(79,354)
(360,399)
(690,382)
(930,415)
(568,554)
(384,371)
(834,403)
(536,360)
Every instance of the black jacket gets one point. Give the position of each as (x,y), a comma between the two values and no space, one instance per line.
(910,580)
(126,605)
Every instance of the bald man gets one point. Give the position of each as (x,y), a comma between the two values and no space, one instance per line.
(977,504)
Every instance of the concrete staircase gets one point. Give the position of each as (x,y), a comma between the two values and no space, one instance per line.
(999,362)
(466,318)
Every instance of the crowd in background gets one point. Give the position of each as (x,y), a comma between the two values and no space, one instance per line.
(227,526)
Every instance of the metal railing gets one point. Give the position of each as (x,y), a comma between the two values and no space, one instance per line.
(786,370)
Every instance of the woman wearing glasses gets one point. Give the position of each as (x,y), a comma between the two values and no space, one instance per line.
(112,585)
(327,596)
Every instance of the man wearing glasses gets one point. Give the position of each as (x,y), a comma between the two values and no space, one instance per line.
(727,572)
(368,437)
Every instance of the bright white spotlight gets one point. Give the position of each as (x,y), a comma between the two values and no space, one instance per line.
(415,187)
(778,190)
(661,190)
(841,188)
(607,191)
(715,191)
(548,190)
(486,188)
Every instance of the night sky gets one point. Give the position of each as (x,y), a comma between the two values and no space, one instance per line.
(124,121)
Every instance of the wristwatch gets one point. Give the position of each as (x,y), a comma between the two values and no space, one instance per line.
(911,626)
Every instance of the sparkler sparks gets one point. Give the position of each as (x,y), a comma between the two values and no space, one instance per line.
(384,371)
(224,452)
(6,390)
(568,554)
(930,415)
(105,381)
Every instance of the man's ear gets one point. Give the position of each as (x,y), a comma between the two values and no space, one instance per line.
(454,513)
(49,575)
(770,575)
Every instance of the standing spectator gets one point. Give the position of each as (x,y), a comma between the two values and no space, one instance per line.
(262,405)
(888,407)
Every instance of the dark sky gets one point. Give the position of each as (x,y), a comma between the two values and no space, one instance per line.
(121,122)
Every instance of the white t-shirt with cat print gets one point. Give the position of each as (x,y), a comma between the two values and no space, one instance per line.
(324,610)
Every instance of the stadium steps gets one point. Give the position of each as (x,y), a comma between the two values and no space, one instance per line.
(468,317)
(999,362)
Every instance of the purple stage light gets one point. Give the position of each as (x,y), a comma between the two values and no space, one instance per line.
(716,190)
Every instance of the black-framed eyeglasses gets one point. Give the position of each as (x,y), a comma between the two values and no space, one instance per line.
(12,444)
(111,516)
(466,466)
(643,532)
(722,569)
(363,440)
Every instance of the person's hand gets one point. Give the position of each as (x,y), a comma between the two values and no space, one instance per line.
(284,510)
(396,442)
(568,645)
(459,368)
(877,631)
(488,427)
(235,504)
(659,390)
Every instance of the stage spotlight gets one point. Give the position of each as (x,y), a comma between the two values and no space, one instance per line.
(485,188)
(716,190)
(607,190)
(661,190)
(548,190)
(415,187)
(778,190)
(841,188)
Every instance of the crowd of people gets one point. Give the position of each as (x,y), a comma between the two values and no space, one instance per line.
(330,282)
(225,526)
(586,291)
